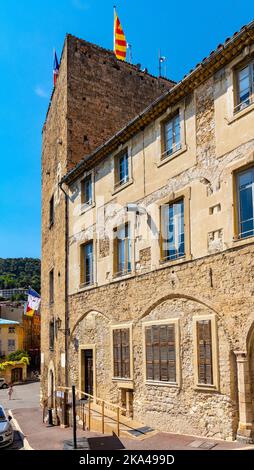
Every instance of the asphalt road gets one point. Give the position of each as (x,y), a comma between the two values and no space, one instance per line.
(24,396)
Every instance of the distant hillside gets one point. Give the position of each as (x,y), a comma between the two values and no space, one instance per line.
(20,272)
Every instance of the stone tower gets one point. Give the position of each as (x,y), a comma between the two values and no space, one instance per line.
(95,96)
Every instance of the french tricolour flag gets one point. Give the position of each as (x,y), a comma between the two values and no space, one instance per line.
(55,69)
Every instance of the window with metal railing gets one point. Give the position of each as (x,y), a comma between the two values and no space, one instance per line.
(172,230)
(172,136)
(86,190)
(244,87)
(245,199)
(121,169)
(87,274)
(122,250)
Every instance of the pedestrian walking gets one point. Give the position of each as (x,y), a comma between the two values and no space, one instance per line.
(10,391)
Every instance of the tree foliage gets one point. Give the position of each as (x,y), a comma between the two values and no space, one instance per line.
(17,355)
(20,273)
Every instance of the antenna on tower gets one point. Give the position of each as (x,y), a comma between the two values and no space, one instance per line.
(129,47)
(162,60)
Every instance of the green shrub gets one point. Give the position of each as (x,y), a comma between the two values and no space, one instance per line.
(18,355)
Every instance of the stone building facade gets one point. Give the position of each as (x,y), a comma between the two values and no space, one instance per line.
(157,243)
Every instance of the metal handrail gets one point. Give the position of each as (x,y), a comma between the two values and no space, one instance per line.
(94,398)
(243,104)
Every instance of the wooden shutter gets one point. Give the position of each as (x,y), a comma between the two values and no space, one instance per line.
(164,353)
(115,252)
(156,352)
(125,337)
(117,352)
(171,353)
(149,354)
(204,339)
(121,353)
(161,353)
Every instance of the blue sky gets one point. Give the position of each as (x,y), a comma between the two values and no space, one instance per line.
(29,30)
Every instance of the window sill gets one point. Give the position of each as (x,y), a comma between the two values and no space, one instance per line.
(86,207)
(172,156)
(206,388)
(83,287)
(123,383)
(122,186)
(162,384)
(242,241)
(241,113)
(120,277)
(172,262)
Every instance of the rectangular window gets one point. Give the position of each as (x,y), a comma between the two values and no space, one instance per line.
(121,353)
(51,211)
(172,230)
(245,196)
(245,86)
(87,264)
(204,352)
(11,345)
(86,190)
(160,344)
(172,136)
(51,286)
(122,169)
(11,329)
(122,250)
(51,335)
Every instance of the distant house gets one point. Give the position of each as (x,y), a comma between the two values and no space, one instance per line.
(11,336)
(8,293)
(14,311)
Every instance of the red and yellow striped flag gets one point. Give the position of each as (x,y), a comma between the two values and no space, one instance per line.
(120,44)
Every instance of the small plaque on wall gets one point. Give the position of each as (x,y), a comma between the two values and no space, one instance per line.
(63,360)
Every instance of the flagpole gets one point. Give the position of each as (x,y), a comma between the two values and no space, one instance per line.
(114,32)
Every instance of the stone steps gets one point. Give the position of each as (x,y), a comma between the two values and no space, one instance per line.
(110,423)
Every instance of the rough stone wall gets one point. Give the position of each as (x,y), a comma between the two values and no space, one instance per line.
(103,95)
(145,258)
(54,151)
(153,296)
(104,247)
(205,122)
